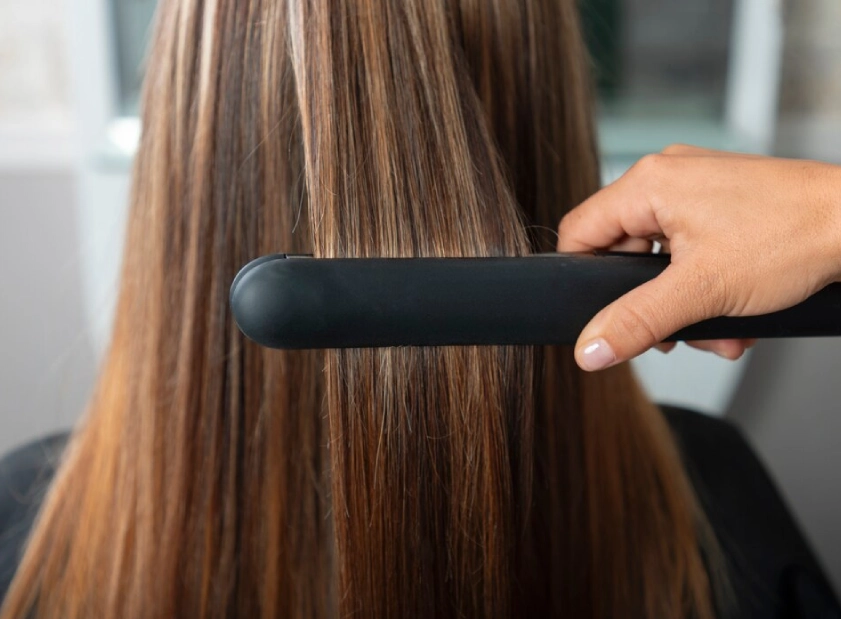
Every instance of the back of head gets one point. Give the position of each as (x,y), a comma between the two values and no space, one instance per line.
(214,478)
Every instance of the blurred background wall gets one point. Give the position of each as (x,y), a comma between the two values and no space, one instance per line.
(68,79)
(46,362)
(789,402)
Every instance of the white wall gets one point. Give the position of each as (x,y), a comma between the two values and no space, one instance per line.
(46,361)
(46,365)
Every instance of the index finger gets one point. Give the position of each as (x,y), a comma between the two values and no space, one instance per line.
(620,210)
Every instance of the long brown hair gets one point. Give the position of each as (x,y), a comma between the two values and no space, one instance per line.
(214,478)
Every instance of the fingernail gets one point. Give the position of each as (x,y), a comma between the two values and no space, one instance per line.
(597,355)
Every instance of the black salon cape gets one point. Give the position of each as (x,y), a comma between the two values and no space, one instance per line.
(772,570)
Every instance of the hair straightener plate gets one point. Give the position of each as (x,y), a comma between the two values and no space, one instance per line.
(297,302)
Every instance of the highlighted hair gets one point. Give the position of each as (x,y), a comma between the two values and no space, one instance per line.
(213,478)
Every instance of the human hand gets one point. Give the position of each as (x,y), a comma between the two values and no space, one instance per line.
(747,235)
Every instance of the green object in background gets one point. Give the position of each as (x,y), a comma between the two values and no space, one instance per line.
(602,24)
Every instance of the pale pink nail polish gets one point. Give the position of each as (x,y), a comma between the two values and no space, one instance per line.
(597,355)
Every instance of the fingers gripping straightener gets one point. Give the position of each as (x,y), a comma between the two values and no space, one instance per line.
(296,302)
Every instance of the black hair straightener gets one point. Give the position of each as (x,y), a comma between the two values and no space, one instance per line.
(291,301)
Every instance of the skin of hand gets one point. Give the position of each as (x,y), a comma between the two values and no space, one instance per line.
(747,235)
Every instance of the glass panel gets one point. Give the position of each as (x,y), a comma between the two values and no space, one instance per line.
(132,21)
(657,58)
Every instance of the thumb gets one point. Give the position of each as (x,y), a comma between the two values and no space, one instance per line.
(645,316)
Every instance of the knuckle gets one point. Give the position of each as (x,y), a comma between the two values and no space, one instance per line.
(563,225)
(565,232)
(676,149)
(653,174)
(650,165)
(638,325)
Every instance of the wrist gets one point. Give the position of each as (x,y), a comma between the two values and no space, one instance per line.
(834,210)
(821,192)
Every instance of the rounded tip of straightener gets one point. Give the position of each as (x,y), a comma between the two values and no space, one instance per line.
(255,289)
